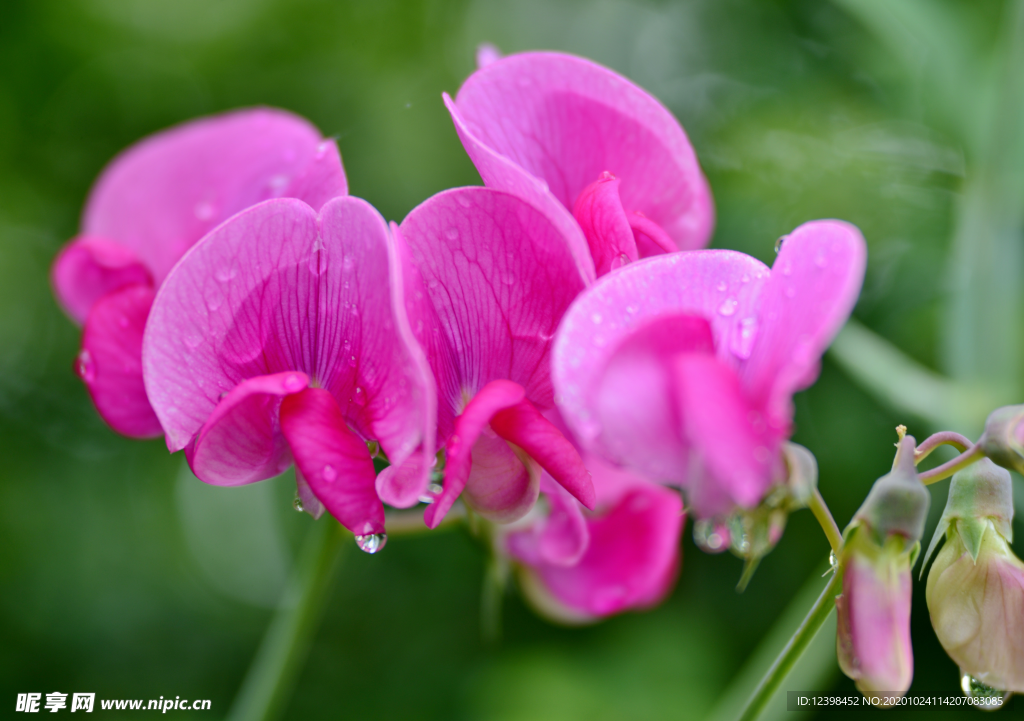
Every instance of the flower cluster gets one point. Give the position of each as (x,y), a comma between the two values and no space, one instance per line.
(552,350)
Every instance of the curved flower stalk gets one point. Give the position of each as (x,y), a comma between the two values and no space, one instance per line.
(682,367)
(498,277)
(148,207)
(578,567)
(284,336)
(608,165)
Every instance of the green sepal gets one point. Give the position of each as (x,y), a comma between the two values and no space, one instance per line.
(972,531)
(940,531)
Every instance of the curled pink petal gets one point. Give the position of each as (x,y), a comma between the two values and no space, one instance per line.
(110,362)
(560,538)
(564,120)
(88,268)
(334,461)
(468,426)
(503,482)
(599,212)
(813,287)
(241,440)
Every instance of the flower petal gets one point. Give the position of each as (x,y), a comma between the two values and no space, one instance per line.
(503,482)
(559,539)
(719,285)
(322,179)
(499,277)
(241,441)
(599,212)
(166,192)
(334,461)
(110,362)
(813,287)
(565,120)
(468,426)
(88,268)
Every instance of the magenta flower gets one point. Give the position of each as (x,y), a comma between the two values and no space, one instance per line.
(498,276)
(683,367)
(607,163)
(284,336)
(579,567)
(149,206)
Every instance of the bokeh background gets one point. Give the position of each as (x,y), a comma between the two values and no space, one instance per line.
(123,575)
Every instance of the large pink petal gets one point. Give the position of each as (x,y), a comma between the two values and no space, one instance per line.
(813,287)
(733,452)
(167,191)
(523,425)
(499,277)
(110,362)
(630,562)
(334,461)
(719,285)
(468,426)
(565,120)
(598,210)
(241,441)
(88,268)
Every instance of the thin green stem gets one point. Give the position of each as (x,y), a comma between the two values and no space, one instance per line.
(950,438)
(949,468)
(803,636)
(828,523)
(271,678)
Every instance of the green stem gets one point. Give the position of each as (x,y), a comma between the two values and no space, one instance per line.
(947,469)
(803,636)
(828,523)
(271,678)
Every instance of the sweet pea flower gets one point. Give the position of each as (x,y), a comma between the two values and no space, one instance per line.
(498,277)
(284,335)
(682,367)
(611,168)
(148,207)
(577,567)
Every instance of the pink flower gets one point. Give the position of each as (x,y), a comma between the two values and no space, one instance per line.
(579,567)
(683,367)
(608,165)
(149,206)
(498,277)
(285,335)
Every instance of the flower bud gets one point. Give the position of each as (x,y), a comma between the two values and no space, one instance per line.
(1003,439)
(898,502)
(873,614)
(975,588)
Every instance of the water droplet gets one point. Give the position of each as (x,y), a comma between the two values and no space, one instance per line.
(745,278)
(294,383)
(329,473)
(743,338)
(318,259)
(508,279)
(987,698)
(728,307)
(787,268)
(225,274)
(589,429)
(451,233)
(779,242)
(622,260)
(710,536)
(359,397)
(84,366)
(354,311)
(821,261)
(374,448)
(632,309)
(596,317)
(204,210)
(297,504)
(791,292)
(721,286)
(277,183)
(463,200)
(832,560)
(123,321)
(193,340)
(352,361)
(347,263)
(372,542)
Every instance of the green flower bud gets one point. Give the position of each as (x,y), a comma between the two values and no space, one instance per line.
(1003,439)
(898,502)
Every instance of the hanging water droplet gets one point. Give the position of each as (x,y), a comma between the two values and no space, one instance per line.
(832,560)
(710,536)
(329,473)
(297,504)
(622,260)
(721,286)
(743,338)
(451,233)
(359,397)
(374,448)
(986,698)
(779,242)
(728,307)
(371,542)
(84,366)
(596,318)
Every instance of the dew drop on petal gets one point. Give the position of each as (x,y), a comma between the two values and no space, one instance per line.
(204,210)
(721,286)
(225,274)
(84,366)
(329,473)
(294,383)
(451,233)
(787,268)
(743,338)
(347,263)
(372,542)
(193,340)
(596,318)
(122,321)
(728,307)
(508,279)
(745,278)
(790,292)
(352,361)
(359,396)
(463,200)
(632,309)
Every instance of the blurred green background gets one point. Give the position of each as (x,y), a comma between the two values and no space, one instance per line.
(123,575)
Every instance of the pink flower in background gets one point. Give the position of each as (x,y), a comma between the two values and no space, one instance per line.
(149,206)
(578,567)
(283,335)
(683,367)
(605,161)
(498,277)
